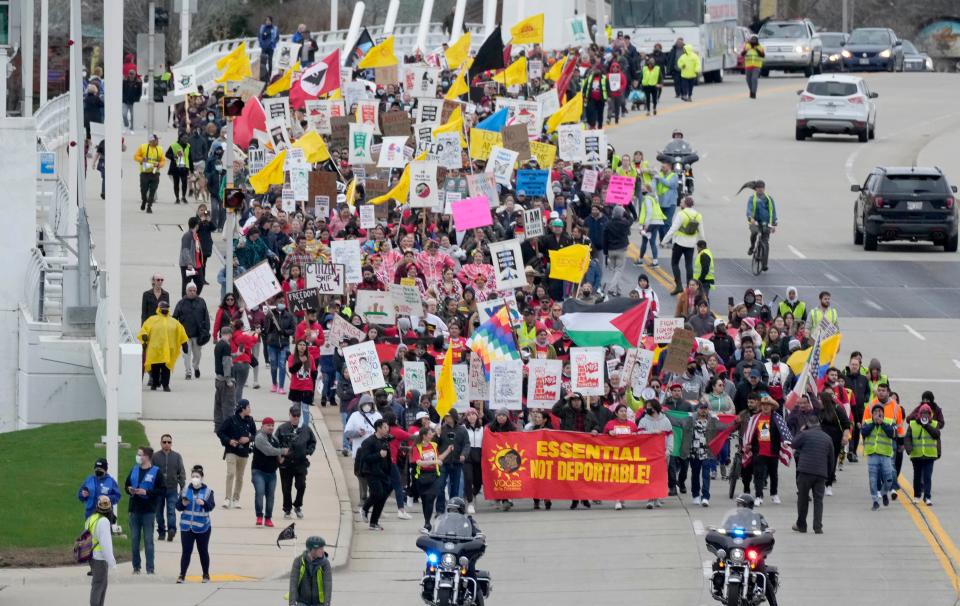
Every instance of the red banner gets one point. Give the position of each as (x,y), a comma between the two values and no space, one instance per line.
(570,465)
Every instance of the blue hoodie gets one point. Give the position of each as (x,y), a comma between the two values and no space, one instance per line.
(95,487)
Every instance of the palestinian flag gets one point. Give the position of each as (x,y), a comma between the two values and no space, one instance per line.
(592,325)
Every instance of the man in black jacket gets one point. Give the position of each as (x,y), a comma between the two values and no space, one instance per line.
(451,433)
(191,311)
(236,434)
(293,470)
(375,465)
(815,458)
(574,416)
(131,92)
(616,239)
(857,382)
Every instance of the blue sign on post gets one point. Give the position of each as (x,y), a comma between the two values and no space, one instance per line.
(532,182)
(48,164)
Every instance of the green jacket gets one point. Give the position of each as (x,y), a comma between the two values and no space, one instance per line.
(309,589)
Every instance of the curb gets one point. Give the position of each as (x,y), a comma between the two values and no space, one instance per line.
(345,531)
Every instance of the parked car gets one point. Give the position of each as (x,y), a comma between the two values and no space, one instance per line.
(905,203)
(873,49)
(914,60)
(791,46)
(837,104)
(833,42)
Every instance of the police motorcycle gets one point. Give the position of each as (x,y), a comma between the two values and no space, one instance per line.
(741,545)
(681,156)
(452,549)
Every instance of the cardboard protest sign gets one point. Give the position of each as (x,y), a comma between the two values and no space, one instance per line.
(515,139)
(545,153)
(257,284)
(361,138)
(500,164)
(374,188)
(407,300)
(322,183)
(376,307)
(479,387)
(339,130)
(570,139)
(482,143)
(533,223)
(506,384)
(594,148)
(424,192)
(387,75)
(347,253)
(543,382)
(471,213)
(363,365)
(586,364)
(395,123)
(664,327)
(507,264)
(532,182)
(302,300)
(620,190)
(589,184)
(483,185)
(681,343)
(326,278)
(341,330)
(415,376)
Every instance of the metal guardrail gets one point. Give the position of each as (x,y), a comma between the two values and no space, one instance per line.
(43,288)
(405,37)
(53,122)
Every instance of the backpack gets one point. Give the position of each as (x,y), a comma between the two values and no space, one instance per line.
(83,545)
(692,226)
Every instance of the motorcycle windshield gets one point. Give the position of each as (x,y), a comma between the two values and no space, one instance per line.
(678,147)
(453,526)
(743,519)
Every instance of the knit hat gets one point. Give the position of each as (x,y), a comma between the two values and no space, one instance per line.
(504,412)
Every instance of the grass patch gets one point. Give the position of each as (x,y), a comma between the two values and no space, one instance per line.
(42,469)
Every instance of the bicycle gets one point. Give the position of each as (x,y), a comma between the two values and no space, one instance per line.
(761,250)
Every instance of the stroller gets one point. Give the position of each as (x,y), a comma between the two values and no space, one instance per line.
(636,98)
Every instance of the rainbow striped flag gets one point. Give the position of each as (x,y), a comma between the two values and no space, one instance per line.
(493,340)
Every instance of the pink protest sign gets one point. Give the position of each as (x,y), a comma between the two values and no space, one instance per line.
(471,213)
(620,190)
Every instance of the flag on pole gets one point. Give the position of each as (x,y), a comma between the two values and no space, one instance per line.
(493,340)
(360,48)
(495,122)
(632,321)
(458,52)
(571,111)
(459,85)
(313,147)
(271,174)
(557,70)
(235,65)
(564,80)
(490,55)
(251,118)
(569,263)
(282,84)
(351,194)
(398,192)
(528,31)
(381,55)
(446,390)
(323,76)
(514,75)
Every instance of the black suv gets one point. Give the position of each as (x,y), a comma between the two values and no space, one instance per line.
(905,203)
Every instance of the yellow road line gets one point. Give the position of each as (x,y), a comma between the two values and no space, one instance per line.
(940,542)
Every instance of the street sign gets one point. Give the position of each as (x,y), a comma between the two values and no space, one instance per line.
(46,165)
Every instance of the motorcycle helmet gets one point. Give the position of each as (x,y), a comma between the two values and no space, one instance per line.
(457,504)
(745,500)
(675,134)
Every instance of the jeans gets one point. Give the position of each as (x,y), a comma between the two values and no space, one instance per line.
(170,522)
(594,275)
(218,214)
(763,468)
(615,105)
(202,539)
(235,468)
(616,259)
(676,254)
(753,79)
(241,370)
(651,237)
(668,212)
(472,477)
(880,473)
(326,395)
(127,113)
(922,477)
(398,491)
(191,358)
(292,477)
(805,483)
(688,84)
(700,477)
(450,476)
(141,526)
(343,422)
(264,486)
(277,358)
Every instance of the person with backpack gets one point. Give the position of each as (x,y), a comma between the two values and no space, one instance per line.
(195,504)
(97,529)
(686,231)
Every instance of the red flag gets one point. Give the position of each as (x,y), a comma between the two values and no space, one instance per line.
(632,321)
(323,76)
(716,444)
(252,117)
(507,50)
(565,76)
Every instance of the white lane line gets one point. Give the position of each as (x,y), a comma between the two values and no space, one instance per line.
(872,304)
(910,380)
(698,528)
(831,277)
(848,166)
(796,252)
(956,363)
(913,332)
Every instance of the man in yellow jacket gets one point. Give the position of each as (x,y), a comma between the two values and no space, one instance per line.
(162,337)
(690,66)
(150,158)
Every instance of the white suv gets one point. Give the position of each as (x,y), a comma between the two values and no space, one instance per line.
(836,104)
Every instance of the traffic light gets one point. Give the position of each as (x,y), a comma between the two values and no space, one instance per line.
(161,18)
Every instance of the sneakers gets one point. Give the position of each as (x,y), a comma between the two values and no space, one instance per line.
(705,502)
(180,580)
(188,376)
(273,389)
(268,523)
(235,504)
(618,506)
(424,530)
(775,499)
(876,506)
(226,504)
(471,508)
(365,515)
(800,529)
(886,501)
(206,579)
(649,504)
(170,534)
(403,515)
(696,500)
(299,513)
(286,515)
(683,489)
(281,391)
(928,502)
(829,491)
(375,527)
(655,263)
(196,375)
(658,502)
(758,502)
(893,495)
(259,520)
(256,386)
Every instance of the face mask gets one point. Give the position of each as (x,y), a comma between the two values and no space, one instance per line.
(749,299)
(366,408)
(164,311)
(691,369)
(281,306)
(100,473)
(137,459)
(195,481)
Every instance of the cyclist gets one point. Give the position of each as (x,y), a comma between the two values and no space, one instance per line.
(762,218)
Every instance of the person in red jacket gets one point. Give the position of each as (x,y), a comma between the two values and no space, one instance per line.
(617,84)
(303,374)
(310,330)
(226,314)
(399,455)
(241,348)
(620,425)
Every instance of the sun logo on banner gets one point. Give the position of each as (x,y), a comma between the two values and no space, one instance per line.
(507,460)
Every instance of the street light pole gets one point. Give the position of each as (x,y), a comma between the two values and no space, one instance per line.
(152,32)
(44,47)
(184,29)
(27,32)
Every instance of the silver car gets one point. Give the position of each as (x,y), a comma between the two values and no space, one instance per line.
(837,104)
(790,46)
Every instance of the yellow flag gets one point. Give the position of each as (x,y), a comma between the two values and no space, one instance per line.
(458,52)
(446,389)
(398,192)
(351,193)
(515,74)
(569,112)
(798,360)
(381,55)
(570,263)
(271,174)
(556,70)
(482,141)
(454,124)
(284,82)
(545,153)
(313,147)
(459,86)
(236,65)
(528,31)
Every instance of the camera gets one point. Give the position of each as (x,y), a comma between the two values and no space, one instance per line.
(388,438)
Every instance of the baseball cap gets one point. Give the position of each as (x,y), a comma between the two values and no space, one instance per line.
(719,322)
(315,542)
(421,415)
(100,464)
(755,373)
(267,421)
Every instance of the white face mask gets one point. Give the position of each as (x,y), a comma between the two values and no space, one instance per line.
(196,481)
(137,459)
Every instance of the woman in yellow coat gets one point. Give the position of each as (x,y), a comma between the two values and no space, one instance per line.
(162,338)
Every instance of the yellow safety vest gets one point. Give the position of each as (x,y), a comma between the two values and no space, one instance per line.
(303,571)
(655,205)
(650,77)
(689,64)
(816,316)
(416,474)
(752,58)
(91,527)
(710,273)
(687,216)
(878,442)
(924,445)
(661,188)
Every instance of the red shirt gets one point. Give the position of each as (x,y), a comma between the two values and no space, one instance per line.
(765,436)
(241,344)
(399,437)
(459,347)
(429,453)
(302,380)
(303,328)
(616,427)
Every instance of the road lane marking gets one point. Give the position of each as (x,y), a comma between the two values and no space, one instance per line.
(913,332)
(848,165)
(698,527)
(831,277)
(909,380)
(796,252)
(872,304)
(956,363)
(940,542)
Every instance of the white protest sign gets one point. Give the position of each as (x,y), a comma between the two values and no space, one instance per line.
(407,300)
(327,278)
(347,253)
(256,160)
(528,113)
(570,139)
(288,200)
(506,384)
(577,31)
(300,182)
(258,284)
(321,206)
(391,153)
(278,133)
(361,139)
(445,151)
(587,365)
(479,387)
(532,223)
(461,382)
(507,264)
(296,158)
(641,371)
(589,181)
(415,376)
(364,366)
(594,147)
(368,113)
(376,307)
(424,192)
(431,111)
(500,164)
(341,330)
(549,103)
(421,81)
(184,80)
(663,329)
(629,361)
(277,108)
(368,219)
(543,383)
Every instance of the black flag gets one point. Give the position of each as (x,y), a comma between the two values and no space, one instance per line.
(748,184)
(490,55)
(287,534)
(360,48)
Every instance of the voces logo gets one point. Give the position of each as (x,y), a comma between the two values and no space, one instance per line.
(507,461)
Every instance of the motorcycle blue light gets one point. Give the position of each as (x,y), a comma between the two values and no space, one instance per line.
(738,532)
(432,558)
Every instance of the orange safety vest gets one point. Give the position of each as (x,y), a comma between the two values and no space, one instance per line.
(892,413)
